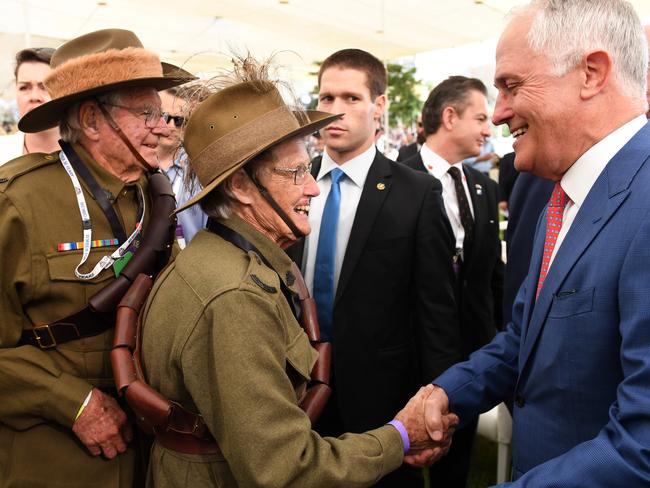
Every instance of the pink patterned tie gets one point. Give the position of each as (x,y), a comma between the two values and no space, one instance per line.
(554,214)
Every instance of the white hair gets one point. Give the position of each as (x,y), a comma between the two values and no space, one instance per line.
(565,30)
(69,127)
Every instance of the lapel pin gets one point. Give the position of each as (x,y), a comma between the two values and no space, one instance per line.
(479,189)
(381,186)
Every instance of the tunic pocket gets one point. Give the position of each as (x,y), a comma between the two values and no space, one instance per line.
(61,265)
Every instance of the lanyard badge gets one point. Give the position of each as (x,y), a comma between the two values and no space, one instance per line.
(121,255)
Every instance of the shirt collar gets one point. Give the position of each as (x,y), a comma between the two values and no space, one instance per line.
(582,175)
(436,164)
(356,169)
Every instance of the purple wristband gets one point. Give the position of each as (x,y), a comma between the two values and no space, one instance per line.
(402,431)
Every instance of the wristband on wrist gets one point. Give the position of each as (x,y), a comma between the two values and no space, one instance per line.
(402,432)
(83,405)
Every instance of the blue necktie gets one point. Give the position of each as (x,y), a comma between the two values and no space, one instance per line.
(325,255)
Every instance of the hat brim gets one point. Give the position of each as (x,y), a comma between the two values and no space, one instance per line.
(317,120)
(50,113)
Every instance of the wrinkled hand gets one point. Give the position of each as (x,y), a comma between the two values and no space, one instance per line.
(412,416)
(440,425)
(103,427)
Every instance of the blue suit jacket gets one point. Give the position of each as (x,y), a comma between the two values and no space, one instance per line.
(578,360)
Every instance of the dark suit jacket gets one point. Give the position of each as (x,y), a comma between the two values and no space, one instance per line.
(529,196)
(480,287)
(394,321)
(507,176)
(406,152)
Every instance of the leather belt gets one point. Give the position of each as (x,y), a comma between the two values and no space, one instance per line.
(85,323)
(186,443)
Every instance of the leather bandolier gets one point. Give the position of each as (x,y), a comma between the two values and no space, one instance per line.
(150,257)
(175,427)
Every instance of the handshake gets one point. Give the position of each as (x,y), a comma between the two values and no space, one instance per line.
(429,425)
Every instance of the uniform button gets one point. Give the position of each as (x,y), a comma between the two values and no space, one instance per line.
(519,401)
(49,157)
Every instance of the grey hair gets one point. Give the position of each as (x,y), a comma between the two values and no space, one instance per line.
(69,128)
(221,201)
(565,30)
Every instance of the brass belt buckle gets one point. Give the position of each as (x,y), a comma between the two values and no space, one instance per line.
(39,337)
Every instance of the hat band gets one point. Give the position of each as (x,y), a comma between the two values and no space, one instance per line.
(243,143)
(100,69)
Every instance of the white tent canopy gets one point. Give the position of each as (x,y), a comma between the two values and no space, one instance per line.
(199,34)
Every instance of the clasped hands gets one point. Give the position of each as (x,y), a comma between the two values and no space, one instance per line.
(429,425)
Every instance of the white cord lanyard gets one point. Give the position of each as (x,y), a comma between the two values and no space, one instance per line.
(108,260)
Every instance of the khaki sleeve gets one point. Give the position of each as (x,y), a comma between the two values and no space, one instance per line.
(32,387)
(250,405)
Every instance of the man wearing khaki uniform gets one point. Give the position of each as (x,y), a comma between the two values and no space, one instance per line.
(59,424)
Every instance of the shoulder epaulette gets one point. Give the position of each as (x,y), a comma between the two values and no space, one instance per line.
(262,276)
(22,165)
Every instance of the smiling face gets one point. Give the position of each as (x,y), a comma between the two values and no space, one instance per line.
(30,91)
(292,198)
(471,128)
(541,110)
(346,90)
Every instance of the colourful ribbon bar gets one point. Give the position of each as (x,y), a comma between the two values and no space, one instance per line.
(71,246)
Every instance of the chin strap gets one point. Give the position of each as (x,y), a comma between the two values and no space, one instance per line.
(148,168)
(267,196)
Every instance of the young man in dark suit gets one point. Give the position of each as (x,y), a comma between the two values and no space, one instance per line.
(455,118)
(378,261)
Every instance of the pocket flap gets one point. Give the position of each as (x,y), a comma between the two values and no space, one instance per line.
(61,265)
(301,356)
(572,302)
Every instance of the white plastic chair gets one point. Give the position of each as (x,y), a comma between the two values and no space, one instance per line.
(496,425)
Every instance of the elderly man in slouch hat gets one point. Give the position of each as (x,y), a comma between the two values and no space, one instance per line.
(221,339)
(74,227)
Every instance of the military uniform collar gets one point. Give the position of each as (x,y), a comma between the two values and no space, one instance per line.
(105,180)
(277,258)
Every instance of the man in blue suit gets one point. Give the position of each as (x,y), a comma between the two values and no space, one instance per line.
(576,355)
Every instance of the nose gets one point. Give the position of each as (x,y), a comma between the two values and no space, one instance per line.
(161,128)
(502,110)
(311,187)
(37,95)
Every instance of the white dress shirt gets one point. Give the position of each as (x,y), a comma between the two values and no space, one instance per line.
(580,177)
(439,168)
(356,171)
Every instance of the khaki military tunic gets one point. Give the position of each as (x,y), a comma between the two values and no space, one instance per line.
(220,338)
(42,390)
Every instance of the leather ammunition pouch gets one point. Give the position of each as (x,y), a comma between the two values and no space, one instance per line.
(175,427)
(151,256)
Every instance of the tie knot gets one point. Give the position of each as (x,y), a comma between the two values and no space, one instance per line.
(454,172)
(336,174)
(558,198)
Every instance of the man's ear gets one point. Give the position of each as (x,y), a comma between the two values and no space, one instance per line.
(380,106)
(449,116)
(596,69)
(89,120)
(240,185)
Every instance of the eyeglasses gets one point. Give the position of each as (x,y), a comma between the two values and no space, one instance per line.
(299,172)
(178,120)
(151,116)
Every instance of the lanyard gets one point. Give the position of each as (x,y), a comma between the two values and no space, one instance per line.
(108,260)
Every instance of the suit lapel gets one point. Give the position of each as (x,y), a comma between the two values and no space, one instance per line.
(605,197)
(369,206)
